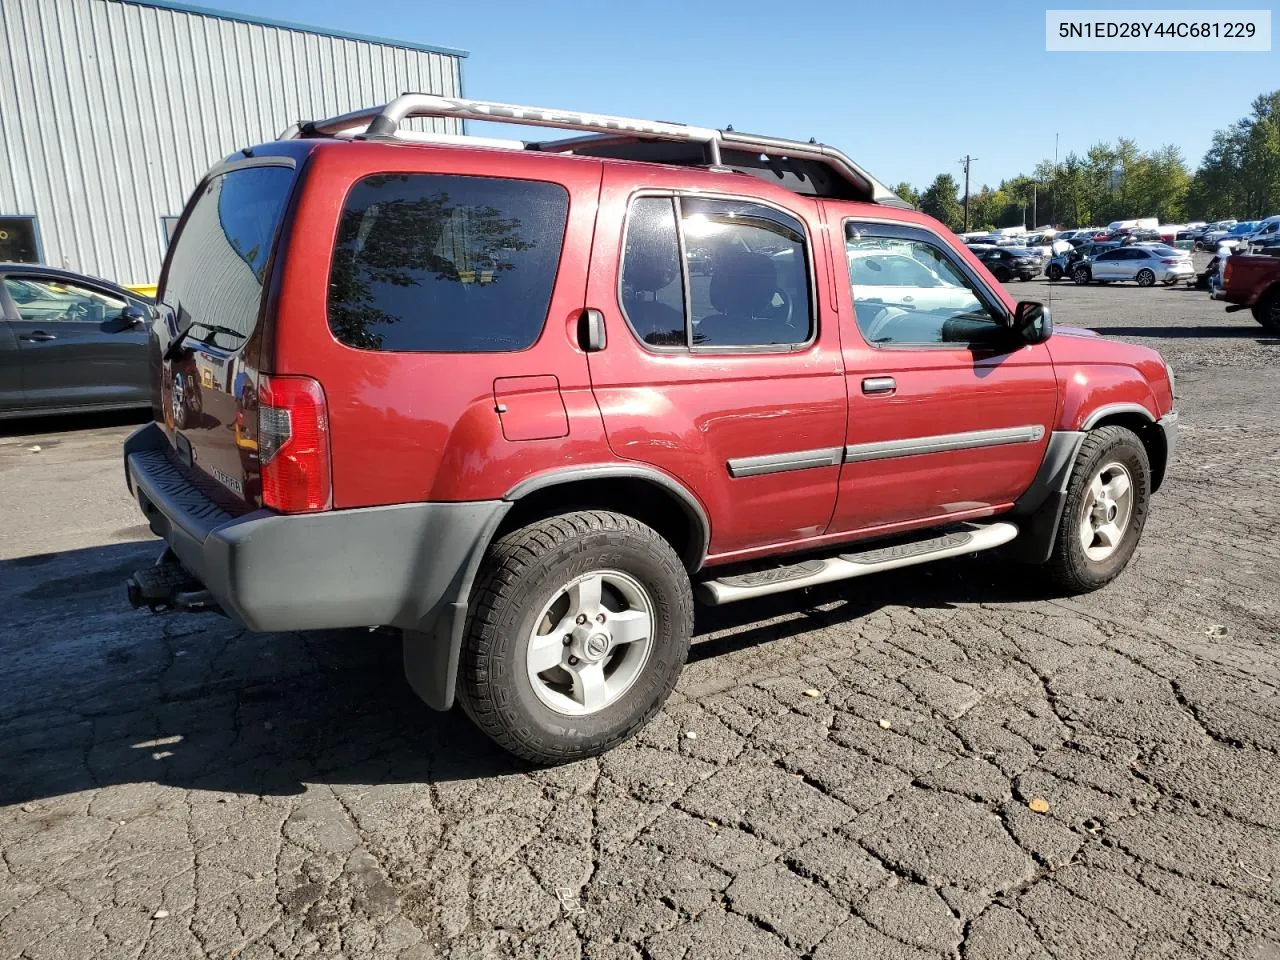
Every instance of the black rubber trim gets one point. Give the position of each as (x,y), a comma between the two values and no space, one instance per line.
(692,507)
(911,548)
(1039,509)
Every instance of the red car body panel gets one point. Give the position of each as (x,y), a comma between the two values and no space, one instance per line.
(409,427)
(1249,278)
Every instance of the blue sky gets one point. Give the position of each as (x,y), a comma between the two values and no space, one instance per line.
(905,88)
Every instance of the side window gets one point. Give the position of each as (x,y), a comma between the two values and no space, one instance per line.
(741,268)
(51,301)
(752,286)
(910,292)
(652,282)
(448,264)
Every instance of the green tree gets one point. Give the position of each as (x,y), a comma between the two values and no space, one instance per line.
(1240,173)
(940,201)
(908,193)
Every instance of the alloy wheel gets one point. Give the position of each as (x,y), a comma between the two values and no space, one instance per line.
(591,642)
(1108,507)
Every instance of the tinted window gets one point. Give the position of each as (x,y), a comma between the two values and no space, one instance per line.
(218,266)
(756,291)
(425,262)
(745,272)
(49,300)
(931,302)
(1111,255)
(652,283)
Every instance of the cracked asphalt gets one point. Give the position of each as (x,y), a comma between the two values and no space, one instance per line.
(175,787)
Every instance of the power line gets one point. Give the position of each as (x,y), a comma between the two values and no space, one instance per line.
(965,163)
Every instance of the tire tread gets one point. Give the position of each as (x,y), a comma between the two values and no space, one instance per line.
(510,559)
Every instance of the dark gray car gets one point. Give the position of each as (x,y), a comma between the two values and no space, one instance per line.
(69,342)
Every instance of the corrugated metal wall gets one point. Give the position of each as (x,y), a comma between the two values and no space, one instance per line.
(111,111)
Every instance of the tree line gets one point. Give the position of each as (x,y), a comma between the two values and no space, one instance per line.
(1239,176)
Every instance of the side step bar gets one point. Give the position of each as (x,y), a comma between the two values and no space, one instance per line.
(969,538)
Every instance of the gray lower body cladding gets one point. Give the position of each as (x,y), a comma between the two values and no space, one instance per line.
(407,565)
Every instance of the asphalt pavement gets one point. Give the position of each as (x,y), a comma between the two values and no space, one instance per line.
(942,762)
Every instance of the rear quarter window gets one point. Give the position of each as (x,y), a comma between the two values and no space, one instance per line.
(448,264)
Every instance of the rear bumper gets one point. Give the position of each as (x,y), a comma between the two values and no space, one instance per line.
(398,565)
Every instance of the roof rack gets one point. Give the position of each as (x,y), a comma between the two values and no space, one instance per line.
(809,168)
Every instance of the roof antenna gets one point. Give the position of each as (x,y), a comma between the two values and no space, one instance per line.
(729,128)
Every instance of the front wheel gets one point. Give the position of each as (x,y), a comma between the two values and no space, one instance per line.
(1105,511)
(1054,272)
(579,627)
(1145,278)
(1080,275)
(1267,313)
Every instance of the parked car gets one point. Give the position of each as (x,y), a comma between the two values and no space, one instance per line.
(1141,235)
(69,342)
(1143,264)
(1005,263)
(1232,235)
(495,407)
(1064,264)
(1268,230)
(1253,282)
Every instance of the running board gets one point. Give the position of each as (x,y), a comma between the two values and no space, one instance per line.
(969,538)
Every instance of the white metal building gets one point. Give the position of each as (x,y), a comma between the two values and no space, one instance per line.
(111,110)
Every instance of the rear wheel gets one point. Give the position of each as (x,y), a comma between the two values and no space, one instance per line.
(1002,274)
(1105,511)
(579,627)
(1145,277)
(1080,275)
(1267,312)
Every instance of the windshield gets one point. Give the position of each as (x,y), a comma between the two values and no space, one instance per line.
(1242,228)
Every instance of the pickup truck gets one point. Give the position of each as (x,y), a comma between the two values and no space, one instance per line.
(1254,282)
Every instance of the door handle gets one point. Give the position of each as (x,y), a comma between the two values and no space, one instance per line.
(38,336)
(591,331)
(879,385)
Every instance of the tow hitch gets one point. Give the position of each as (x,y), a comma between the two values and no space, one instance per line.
(167,586)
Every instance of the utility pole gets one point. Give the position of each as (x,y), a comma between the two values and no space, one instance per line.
(965,163)
(1035,203)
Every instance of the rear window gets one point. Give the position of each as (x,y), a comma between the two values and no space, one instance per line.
(217,269)
(449,264)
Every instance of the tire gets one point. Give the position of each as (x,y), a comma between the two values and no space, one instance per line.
(1267,312)
(1001,274)
(1145,278)
(1104,453)
(524,580)
(1054,272)
(1081,275)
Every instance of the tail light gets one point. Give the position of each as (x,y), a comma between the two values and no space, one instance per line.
(293,445)
(1171,260)
(1227,271)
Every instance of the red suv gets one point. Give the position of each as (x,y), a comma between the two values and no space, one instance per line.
(525,401)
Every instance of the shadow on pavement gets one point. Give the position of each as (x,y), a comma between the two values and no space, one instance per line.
(66,423)
(1189,332)
(99,694)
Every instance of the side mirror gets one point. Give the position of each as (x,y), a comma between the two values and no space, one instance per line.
(1032,321)
(132,317)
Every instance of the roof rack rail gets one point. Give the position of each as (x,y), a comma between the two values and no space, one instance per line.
(810,168)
